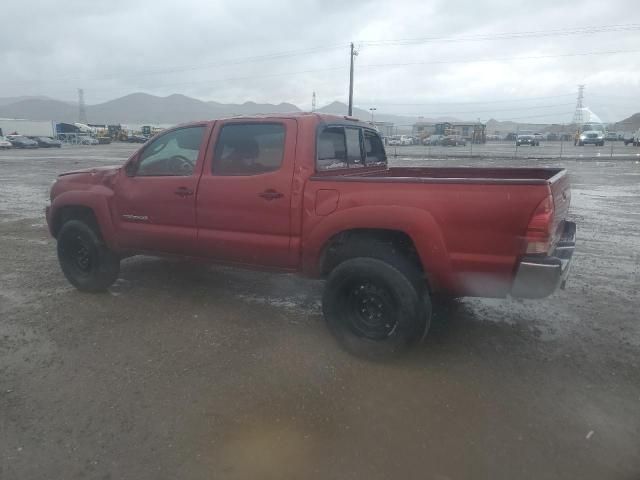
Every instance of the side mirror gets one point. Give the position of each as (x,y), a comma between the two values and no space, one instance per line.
(131,167)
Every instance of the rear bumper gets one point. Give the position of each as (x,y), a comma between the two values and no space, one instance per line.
(539,277)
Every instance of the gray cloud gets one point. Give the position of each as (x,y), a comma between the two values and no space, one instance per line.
(201,48)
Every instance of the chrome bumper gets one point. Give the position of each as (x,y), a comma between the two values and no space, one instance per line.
(539,277)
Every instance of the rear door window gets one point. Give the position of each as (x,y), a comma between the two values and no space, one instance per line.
(249,149)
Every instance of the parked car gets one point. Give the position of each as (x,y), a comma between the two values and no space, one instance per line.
(539,137)
(46,142)
(136,139)
(4,143)
(591,134)
(87,140)
(20,141)
(453,141)
(611,137)
(394,141)
(433,140)
(526,137)
(281,193)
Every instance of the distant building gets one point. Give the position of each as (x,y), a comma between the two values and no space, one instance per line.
(475,132)
(386,129)
(423,129)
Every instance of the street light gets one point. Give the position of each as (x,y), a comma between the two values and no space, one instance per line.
(372,109)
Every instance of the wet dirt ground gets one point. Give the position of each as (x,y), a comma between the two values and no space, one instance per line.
(189,372)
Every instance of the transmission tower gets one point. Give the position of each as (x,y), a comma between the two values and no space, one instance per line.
(577,116)
(82,109)
(313,102)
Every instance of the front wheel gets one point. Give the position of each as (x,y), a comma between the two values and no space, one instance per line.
(373,309)
(85,261)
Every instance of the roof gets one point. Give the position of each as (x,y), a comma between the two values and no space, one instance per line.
(322,117)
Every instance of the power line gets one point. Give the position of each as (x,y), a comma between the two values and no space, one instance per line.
(449,112)
(528,99)
(506,35)
(200,66)
(499,59)
(535,116)
(340,67)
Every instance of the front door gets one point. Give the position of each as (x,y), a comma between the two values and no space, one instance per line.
(155,201)
(244,196)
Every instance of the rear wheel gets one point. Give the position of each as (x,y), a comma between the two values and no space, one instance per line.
(375,308)
(85,261)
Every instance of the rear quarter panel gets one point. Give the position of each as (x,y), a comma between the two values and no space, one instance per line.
(468,235)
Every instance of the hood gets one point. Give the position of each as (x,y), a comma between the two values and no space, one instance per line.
(95,171)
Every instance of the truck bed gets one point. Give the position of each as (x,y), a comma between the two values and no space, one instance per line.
(529,176)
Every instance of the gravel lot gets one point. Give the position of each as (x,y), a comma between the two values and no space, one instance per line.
(189,372)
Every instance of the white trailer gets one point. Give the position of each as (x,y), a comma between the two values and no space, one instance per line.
(28,128)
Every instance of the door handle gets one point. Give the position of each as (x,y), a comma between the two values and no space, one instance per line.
(183,192)
(271,194)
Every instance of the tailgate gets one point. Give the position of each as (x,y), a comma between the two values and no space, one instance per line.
(561,193)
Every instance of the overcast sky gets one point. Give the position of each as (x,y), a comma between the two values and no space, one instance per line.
(415,57)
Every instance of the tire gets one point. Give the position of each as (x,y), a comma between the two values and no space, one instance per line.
(85,261)
(580,144)
(376,308)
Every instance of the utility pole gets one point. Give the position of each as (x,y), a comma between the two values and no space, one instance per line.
(353,54)
(82,110)
(313,102)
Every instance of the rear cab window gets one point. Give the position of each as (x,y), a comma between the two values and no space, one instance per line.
(342,146)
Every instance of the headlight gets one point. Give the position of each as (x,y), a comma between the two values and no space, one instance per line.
(583,136)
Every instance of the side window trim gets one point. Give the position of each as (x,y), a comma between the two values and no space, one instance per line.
(351,164)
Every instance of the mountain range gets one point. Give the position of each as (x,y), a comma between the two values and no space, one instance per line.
(143,108)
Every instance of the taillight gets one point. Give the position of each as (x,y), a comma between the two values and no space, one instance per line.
(538,237)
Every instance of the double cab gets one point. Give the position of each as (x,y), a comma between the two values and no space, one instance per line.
(314,194)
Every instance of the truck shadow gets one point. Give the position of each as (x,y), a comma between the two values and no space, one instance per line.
(457,325)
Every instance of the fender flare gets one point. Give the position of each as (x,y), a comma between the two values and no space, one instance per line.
(97,199)
(417,223)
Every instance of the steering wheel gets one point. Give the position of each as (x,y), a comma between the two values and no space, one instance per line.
(180,164)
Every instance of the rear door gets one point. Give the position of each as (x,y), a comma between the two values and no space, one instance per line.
(155,200)
(244,196)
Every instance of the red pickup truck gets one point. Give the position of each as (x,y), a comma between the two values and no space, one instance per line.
(313,194)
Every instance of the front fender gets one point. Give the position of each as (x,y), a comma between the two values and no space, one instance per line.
(418,224)
(97,198)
